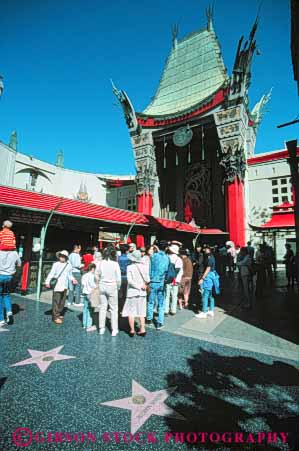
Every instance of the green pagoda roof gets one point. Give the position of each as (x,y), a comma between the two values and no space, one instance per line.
(194,71)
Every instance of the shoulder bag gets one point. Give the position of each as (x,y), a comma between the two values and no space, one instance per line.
(54,280)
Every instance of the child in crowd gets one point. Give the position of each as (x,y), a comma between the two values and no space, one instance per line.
(7,237)
(88,285)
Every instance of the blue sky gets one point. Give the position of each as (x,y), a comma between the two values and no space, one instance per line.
(57,57)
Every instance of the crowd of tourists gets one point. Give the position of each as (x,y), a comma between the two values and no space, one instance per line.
(134,283)
(146,284)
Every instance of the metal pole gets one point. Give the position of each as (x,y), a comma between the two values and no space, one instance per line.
(129,231)
(293,161)
(42,245)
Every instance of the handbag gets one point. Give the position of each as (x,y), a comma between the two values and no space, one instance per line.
(94,297)
(54,280)
(147,285)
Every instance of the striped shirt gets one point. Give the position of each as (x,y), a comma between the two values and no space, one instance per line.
(7,240)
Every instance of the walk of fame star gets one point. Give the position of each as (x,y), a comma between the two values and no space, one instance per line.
(44,359)
(143,404)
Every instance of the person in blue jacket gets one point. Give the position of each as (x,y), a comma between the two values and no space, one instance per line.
(158,269)
(208,281)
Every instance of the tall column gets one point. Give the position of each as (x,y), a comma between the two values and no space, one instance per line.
(145,202)
(235,211)
(232,125)
(144,152)
(144,206)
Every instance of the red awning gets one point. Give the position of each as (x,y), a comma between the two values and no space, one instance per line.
(184,227)
(280,221)
(282,217)
(14,197)
(177,225)
(212,232)
(30,200)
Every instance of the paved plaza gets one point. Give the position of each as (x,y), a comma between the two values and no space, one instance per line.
(236,373)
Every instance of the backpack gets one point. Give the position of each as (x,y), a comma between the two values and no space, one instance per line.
(172,272)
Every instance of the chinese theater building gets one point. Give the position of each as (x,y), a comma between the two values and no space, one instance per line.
(191,143)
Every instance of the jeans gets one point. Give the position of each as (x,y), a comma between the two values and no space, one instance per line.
(108,295)
(171,290)
(5,301)
(157,291)
(75,290)
(87,311)
(207,300)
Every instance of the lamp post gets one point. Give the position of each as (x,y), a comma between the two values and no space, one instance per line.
(293,161)
(42,245)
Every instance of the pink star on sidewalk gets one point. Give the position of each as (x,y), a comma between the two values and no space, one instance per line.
(144,403)
(44,359)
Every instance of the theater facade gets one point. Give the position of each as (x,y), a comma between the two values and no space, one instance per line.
(191,143)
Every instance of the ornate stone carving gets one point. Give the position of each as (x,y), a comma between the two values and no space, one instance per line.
(259,109)
(127,107)
(144,153)
(233,163)
(182,136)
(241,77)
(146,176)
(232,125)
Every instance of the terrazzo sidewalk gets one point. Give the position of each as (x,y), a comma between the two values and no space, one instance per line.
(74,382)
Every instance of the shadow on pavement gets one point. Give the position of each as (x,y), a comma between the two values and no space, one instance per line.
(236,394)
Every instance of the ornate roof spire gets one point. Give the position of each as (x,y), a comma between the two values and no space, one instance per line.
(59,159)
(13,142)
(260,109)
(209,14)
(174,32)
(127,107)
(1,85)
(241,77)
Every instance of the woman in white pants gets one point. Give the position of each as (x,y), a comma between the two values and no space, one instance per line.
(135,305)
(110,281)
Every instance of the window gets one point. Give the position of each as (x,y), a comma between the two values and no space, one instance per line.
(275,200)
(131,205)
(275,191)
(274,182)
(283,181)
(284,189)
(285,199)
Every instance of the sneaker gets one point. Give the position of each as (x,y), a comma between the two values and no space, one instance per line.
(148,321)
(201,315)
(91,329)
(79,305)
(172,313)
(160,326)
(166,314)
(69,304)
(9,319)
(102,331)
(114,333)
(211,313)
(2,323)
